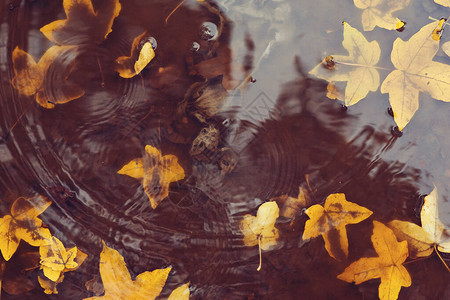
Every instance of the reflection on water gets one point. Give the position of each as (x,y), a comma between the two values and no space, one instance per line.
(278,125)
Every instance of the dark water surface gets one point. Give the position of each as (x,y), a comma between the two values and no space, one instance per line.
(284,130)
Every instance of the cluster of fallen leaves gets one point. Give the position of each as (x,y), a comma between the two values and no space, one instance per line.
(393,242)
(414,70)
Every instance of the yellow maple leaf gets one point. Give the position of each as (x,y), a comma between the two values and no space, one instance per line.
(156,173)
(330,221)
(56,259)
(260,230)
(357,68)
(141,54)
(180,293)
(416,72)
(388,265)
(443,2)
(23,224)
(432,236)
(379,13)
(118,283)
(83,24)
(46,79)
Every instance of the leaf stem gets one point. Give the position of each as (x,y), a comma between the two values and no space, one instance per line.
(260,255)
(172,12)
(443,261)
(365,66)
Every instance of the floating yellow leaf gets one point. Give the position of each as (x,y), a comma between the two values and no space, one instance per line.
(379,13)
(388,265)
(357,68)
(156,173)
(260,230)
(83,24)
(443,2)
(330,221)
(180,293)
(56,259)
(433,235)
(130,66)
(118,283)
(23,224)
(50,87)
(416,72)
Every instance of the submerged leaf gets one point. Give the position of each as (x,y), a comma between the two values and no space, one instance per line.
(379,13)
(357,68)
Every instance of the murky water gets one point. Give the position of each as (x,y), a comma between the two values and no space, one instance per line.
(283,130)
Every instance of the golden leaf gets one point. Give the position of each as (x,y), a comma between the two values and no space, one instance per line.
(416,72)
(23,224)
(260,230)
(356,68)
(44,79)
(180,293)
(433,235)
(330,221)
(83,24)
(379,13)
(156,173)
(130,66)
(388,265)
(118,283)
(443,2)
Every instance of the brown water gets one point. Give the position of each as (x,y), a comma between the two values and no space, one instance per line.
(285,132)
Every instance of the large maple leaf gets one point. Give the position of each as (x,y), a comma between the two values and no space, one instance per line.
(416,72)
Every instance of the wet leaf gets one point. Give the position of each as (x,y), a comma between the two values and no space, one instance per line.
(416,72)
(330,221)
(130,66)
(422,240)
(118,283)
(46,79)
(443,2)
(83,24)
(356,68)
(387,266)
(48,285)
(260,230)
(56,259)
(379,13)
(180,293)
(156,173)
(23,224)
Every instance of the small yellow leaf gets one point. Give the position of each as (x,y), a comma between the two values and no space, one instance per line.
(180,293)
(379,13)
(56,259)
(388,265)
(140,57)
(357,68)
(118,283)
(156,173)
(330,221)
(23,224)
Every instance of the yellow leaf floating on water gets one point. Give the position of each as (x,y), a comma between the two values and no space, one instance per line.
(330,221)
(130,66)
(180,293)
(118,283)
(260,230)
(433,235)
(83,24)
(443,2)
(23,224)
(379,13)
(156,173)
(416,72)
(357,68)
(44,79)
(388,265)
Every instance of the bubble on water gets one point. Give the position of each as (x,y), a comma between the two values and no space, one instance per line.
(208,31)
(195,46)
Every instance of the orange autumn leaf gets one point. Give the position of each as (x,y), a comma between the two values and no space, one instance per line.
(388,265)
(141,54)
(46,79)
(156,173)
(83,24)
(330,221)
(23,224)
(118,283)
